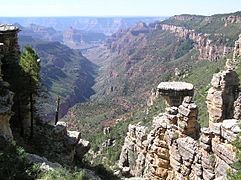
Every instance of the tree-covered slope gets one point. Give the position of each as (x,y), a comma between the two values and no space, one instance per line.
(221,28)
(65,73)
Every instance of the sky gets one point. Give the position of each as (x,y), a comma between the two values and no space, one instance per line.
(29,8)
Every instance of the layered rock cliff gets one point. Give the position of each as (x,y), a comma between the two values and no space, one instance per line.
(124,39)
(207,50)
(237,49)
(176,147)
(221,96)
(232,19)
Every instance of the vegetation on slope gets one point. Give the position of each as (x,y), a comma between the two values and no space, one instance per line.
(132,69)
(219,31)
(236,175)
(64,73)
(14,165)
(199,74)
(108,156)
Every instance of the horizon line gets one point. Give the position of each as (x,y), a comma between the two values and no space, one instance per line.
(81,16)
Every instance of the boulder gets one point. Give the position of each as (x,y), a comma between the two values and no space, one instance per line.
(82,148)
(73,137)
(60,129)
(45,164)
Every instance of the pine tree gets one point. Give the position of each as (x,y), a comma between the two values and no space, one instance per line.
(30,68)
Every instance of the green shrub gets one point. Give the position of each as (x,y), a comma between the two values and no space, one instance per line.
(236,174)
(13,163)
(63,174)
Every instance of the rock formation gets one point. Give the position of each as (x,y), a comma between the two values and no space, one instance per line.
(61,144)
(6,102)
(231,20)
(176,148)
(174,92)
(154,95)
(9,51)
(234,63)
(46,165)
(237,51)
(237,48)
(122,41)
(204,45)
(221,96)
(155,154)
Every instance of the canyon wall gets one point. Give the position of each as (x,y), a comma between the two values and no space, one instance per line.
(138,36)
(206,49)
(231,20)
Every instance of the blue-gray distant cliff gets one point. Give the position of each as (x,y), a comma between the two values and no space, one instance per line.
(106,25)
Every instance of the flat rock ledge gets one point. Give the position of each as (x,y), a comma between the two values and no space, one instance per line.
(175,86)
(8,27)
(174,92)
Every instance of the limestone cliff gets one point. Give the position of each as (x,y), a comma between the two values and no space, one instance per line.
(176,147)
(204,45)
(221,96)
(122,41)
(232,19)
(237,49)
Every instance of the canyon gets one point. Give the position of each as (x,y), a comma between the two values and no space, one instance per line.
(174,59)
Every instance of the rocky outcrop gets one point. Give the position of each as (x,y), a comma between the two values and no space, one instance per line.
(82,148)
(231,20)
(176,148)
(174,92)
(206,49)
(46,165)
(237,108)
(222,95)
(154,95)
(9,51)
(124,39)
(61,144)
(133,154)
(154,154)
(6,102)
(237,49)
(236,60)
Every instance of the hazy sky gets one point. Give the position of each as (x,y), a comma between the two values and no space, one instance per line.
(116,7)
